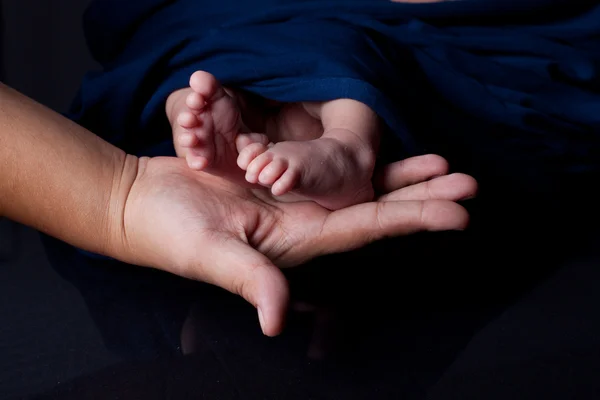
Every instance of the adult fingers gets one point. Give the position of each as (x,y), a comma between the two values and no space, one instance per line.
(452,187)
(408,172)
(359,225)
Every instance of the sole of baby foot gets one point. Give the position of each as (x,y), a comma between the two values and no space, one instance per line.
(312,170)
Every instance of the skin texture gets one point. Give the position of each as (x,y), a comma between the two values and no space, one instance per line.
(61,179)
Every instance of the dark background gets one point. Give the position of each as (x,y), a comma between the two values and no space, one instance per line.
(46,334)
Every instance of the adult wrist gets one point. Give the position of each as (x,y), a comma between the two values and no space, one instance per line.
(127,169)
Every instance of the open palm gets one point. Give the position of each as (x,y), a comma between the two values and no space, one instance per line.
(206,228)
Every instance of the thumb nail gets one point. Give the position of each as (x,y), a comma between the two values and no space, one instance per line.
(261,319)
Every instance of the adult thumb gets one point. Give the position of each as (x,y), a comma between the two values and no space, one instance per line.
(235,266)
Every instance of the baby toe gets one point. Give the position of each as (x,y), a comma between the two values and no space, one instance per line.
(272,172)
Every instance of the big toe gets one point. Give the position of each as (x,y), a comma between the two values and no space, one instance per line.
(205,84)
(243,140)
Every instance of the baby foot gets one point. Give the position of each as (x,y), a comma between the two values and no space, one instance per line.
(206,125)
(325,170)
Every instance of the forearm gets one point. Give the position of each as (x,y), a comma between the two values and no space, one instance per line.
(59,178)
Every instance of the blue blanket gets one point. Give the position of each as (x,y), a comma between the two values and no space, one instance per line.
(510,85)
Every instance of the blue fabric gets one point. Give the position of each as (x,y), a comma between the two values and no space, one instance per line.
(509,89)
(530,68)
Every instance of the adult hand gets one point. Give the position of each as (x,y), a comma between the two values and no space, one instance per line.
(159,213)
(203,227)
